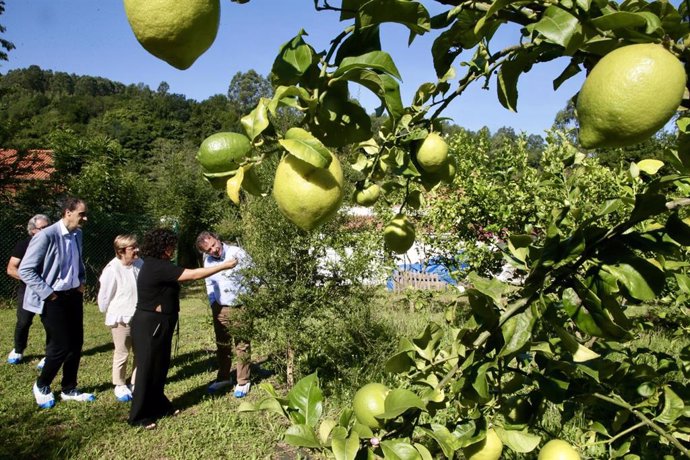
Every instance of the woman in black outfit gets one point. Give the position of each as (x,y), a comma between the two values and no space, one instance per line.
(154,321)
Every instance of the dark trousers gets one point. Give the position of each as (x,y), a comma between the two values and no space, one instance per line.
(152,335)
(63,320)
(24,320)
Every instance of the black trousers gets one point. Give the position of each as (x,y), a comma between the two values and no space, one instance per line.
(152,335)
(24,320)
(63,320)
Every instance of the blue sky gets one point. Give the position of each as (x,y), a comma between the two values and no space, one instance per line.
(92,37)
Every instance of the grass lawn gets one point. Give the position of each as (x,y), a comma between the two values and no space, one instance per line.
(208,426)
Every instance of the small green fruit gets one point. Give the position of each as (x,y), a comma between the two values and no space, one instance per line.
(368,196)
(433,152)
(490,448)
(399,234)
(220,154)
(368,403)
(557,449)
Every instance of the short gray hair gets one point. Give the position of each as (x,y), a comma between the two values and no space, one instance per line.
(31,226)
(203,236)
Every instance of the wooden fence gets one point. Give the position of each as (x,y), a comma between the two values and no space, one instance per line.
(405,279)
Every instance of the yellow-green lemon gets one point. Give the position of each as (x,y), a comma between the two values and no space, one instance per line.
(368,403)
(489,448)
(557,449)
(433,152)
(220,154)
(368,196)
(399,234)
(629,95)
(305,194)
(175,31)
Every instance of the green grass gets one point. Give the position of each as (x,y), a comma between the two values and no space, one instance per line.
(208,426)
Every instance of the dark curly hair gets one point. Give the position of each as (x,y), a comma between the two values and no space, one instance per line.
(157,242)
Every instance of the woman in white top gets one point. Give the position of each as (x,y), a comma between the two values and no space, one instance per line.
(117,298)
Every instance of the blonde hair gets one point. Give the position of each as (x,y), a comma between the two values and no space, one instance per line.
(122,242)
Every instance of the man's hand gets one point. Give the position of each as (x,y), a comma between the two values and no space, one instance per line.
(81,288)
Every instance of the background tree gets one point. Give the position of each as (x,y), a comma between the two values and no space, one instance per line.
(246,88)
(4,44)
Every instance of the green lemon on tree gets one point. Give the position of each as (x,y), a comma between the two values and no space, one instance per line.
(308,196)
(177,32)
(489,448)
(433,153)
(629,95)
(369,402)
(399,234)
(517,410)
(557,449)
(220,154)
(368,196)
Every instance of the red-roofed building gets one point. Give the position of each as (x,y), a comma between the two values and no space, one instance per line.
(18,168)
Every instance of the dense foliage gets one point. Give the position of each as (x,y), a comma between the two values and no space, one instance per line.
(559,339)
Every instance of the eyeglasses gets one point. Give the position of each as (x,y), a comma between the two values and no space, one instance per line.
(40,228)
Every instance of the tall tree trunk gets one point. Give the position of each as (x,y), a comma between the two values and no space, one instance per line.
(290,371)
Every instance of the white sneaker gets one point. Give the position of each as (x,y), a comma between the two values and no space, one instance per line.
(76,395)
(44,397)
(41,363)
(219,385)
(242,390)
(14,358)
(123,393)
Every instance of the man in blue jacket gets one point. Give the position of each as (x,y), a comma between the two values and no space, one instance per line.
(54,273)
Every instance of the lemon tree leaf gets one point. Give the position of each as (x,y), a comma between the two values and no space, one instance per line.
(445,439)
(556,25)
(233,185)
(360,41)
(678,229)
(642,279)
(516,332)
(301,436)
(398,449)
(423,451)
(374,60)
(350,8)
(307,398)
(257,120)
(306,147)
(286,95)
(411,14)
(673,406)
(382,85)
(518,441)
(480,383)
(325,429)
(345,448)
(495,6)
(650,166)
(628,20)
(341,122)
(398,401)
(293,60)
(508,79)
(570,70)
